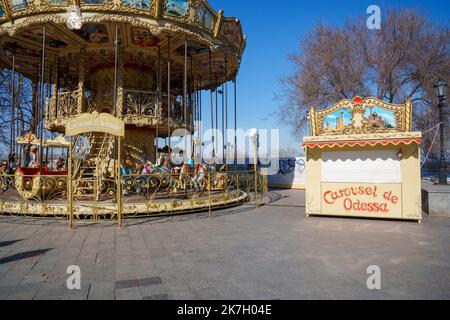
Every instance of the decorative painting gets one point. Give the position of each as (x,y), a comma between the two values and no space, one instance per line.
(94,1)
(177,7)
(1,11)
(143,38)
(140,4)
(61,2)
(19,4)
(232,31)
(204,17)
(380,118)
(337,121)
(94,33)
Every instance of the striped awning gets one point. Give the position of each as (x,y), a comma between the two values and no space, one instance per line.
(360,143)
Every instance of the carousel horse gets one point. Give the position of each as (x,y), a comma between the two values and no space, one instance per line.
(204,173)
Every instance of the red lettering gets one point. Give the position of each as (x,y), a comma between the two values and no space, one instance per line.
(325,197)
(348,204)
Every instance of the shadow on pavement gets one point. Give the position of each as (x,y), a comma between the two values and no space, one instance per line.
(23,255)
(8,243)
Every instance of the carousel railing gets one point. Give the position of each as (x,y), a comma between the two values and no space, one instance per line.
(67,103)
(140,103)
(172,193)
(30,194)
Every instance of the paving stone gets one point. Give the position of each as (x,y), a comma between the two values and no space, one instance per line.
(272,252)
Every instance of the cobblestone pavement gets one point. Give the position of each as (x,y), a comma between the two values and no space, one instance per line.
(272,252)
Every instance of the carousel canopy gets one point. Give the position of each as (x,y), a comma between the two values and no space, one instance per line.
(86,30)
(30,138)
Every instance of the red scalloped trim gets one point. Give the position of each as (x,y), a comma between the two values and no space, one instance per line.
(361,143)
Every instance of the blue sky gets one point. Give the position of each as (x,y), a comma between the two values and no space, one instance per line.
(274,29)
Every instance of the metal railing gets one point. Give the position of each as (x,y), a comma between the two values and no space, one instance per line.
(67,103)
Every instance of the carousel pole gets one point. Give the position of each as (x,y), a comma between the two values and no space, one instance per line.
(226,112)
(168,98)
(223,123)
(200,126)
(185,95)
(212,105)
(193,105)
(13,98)
(116,66)
(69,184)
(42,98)
(217,116)
(235,123)
(158,93)
(119,185)
(117,163)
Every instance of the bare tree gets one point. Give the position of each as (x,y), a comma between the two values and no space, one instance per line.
(23,107)
(402,60)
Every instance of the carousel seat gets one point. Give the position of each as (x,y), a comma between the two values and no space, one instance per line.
(36,172)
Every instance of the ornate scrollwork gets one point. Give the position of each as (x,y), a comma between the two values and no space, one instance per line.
(361,117)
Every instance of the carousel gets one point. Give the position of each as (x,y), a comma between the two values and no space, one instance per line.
(115,83)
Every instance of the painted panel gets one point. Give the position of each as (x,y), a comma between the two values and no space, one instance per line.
(177,7)
(362,200)
(143,38)
(338,120)
(19,4)
(204,17)
(375,166)
(232,31)
(140,4)
(93,33)
(380,118)
(94,1)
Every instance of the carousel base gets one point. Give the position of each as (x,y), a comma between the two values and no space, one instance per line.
(131,209)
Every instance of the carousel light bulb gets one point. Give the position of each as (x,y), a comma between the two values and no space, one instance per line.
(253,132)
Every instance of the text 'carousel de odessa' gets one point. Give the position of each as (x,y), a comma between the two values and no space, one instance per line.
(111,82)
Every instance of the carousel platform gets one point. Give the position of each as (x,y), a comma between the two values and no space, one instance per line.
(133,206)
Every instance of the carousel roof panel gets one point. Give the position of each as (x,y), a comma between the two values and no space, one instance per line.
(146,27)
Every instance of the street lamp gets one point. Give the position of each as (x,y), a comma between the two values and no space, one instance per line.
(254,135)
(441,91)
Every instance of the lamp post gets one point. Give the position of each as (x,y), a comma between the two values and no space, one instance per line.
(255,140)
(441,91)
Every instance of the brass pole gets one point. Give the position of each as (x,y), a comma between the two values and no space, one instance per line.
(255,146)
(116,66)
(13,91)
(209,194)
(42,102)
(158,93)
(168,97)
(212,105)
(235,125)
(119,184)
(185,96)
(69,185)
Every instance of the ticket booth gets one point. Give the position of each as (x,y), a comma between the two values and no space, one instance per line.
(363,161)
